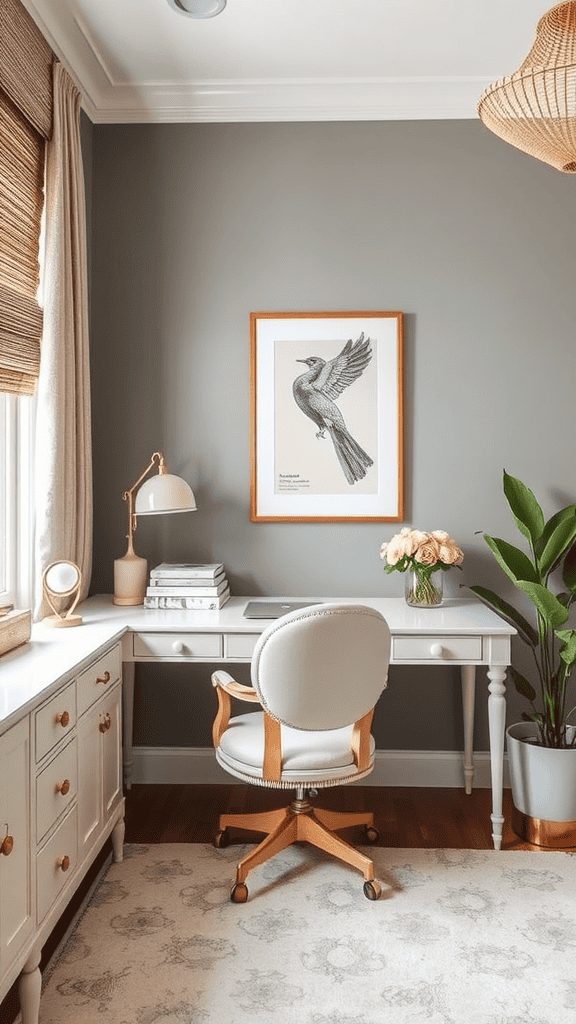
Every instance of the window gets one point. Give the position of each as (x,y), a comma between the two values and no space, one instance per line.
(16,500)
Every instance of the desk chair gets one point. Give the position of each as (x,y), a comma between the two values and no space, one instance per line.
(317,674)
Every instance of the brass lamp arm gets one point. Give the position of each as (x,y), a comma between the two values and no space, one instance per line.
(128,495)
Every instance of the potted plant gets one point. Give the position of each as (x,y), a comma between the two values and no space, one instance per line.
(542,748)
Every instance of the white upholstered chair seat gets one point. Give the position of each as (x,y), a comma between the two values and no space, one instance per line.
(309,758)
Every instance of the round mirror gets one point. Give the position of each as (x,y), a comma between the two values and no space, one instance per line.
(60,580)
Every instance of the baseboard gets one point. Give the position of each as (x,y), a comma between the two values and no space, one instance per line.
(423,768)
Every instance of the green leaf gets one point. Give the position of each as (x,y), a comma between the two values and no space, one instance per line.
(558,536)
(506,611)
(525,510)
(569,570)
(533,717)
(522,685)
(512,560)
(567,652)
(551,609)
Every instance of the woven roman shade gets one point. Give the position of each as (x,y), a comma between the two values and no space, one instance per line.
(25,123)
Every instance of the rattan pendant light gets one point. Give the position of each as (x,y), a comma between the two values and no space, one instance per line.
(534,109)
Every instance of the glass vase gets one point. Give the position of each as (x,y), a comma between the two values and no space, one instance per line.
(424,587)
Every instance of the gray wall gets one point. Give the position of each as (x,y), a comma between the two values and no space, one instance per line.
(193,226)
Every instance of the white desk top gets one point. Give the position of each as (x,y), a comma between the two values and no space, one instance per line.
(456,616)
(28,674)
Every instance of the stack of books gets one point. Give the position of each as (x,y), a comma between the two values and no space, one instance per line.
(187,586)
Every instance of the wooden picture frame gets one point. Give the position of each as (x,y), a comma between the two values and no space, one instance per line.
(326,417)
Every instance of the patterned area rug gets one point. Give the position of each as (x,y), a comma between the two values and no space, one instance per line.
(457,936)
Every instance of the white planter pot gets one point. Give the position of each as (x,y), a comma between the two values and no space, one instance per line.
(543,789)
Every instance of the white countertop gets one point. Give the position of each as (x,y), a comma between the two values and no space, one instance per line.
(29,673)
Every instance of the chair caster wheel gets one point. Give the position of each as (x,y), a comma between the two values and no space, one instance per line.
(239,893)
(372,890)
(372,834)
(222,839)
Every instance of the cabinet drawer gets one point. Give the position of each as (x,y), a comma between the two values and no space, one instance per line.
(55,720)
(437,648)
(177,645)
(240,645)
(94,682)
(56,788)
(51,862)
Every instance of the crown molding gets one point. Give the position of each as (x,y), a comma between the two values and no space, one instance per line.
(295,100)
(106,100)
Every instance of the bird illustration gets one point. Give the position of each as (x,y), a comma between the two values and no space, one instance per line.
(314,393)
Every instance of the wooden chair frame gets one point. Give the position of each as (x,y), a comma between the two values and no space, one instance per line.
(227,687)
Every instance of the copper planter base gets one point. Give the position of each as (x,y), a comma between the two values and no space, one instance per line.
(556,835)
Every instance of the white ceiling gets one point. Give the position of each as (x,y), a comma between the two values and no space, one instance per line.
(287,60)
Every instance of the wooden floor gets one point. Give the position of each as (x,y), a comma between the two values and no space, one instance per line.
(405,817)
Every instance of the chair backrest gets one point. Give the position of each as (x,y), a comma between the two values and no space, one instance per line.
(322,667)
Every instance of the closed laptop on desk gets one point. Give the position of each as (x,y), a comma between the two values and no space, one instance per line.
(273,609)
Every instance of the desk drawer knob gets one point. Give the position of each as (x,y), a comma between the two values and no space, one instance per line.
(63,863)
(7,844)
(63,787)
(103,679)
(177,647)
(63,718)
(436,650)
(105,725)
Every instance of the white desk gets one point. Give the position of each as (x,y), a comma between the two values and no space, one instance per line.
(461,632)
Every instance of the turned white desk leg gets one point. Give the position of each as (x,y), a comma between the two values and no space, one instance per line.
(128,718)
(468,674)
(29,987)
(497,723)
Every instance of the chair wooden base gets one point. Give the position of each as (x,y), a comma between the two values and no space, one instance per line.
(299,822)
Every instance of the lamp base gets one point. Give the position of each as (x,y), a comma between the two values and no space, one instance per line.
(130,579)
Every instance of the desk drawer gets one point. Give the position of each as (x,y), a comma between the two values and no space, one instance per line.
(56,863)
(240,645)
(97,679)
(437,648)
(177,645)
(56,787)
(55,720)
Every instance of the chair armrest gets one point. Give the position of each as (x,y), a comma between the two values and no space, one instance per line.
(226,687)
(225,681)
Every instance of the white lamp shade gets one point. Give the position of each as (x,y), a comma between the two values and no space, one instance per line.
(164,493)
(198,8)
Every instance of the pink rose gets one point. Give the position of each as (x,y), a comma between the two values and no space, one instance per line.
(428,552)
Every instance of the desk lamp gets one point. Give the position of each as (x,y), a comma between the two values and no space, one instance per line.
(162,493)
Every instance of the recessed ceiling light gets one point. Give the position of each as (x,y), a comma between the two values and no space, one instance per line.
(198,8)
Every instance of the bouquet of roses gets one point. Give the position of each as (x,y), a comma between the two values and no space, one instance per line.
(424,554)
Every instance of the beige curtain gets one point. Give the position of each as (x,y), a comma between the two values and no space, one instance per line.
(63,462)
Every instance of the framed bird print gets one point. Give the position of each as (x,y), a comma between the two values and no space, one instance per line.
(326,417)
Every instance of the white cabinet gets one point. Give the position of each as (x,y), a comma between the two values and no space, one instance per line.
(99,769)
(16,845)
(60,799)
